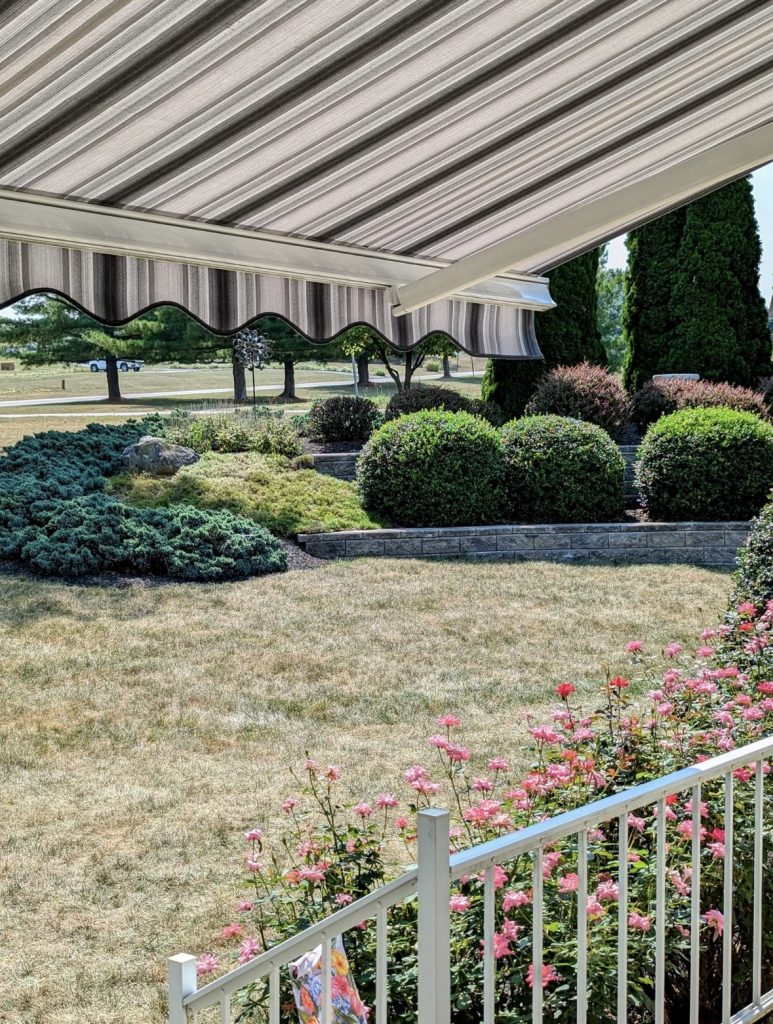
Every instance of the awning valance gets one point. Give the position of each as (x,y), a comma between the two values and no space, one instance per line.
(116,288)
(481,136)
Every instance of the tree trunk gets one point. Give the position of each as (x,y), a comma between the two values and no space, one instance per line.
(408,371)
(446,367)
(363,374)
(289,394)
(113,385)
(240,382)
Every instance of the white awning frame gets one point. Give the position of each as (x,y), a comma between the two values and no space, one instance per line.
(582,227)
(26,217)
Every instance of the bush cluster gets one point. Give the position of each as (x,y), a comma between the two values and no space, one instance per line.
(561,470)
(238,430)
(343,418)
(333,844)
(660,397)
(434,469)
(710,464)
(431,396)
(55,519)
(754,578)
(583,392)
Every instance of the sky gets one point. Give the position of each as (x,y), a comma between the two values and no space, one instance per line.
(762,184)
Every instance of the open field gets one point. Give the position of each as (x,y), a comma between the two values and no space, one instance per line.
(144,727)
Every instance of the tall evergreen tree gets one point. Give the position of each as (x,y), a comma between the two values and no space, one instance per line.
(567,335)
(692,301)
(648,320)
(721,321)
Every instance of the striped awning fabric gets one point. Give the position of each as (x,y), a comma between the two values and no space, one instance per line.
(116,288)
(431,128)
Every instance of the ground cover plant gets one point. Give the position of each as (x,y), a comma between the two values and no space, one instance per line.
(710,464)
(265,489)
(561,470)
(434,468)
(144,729)
(55,519)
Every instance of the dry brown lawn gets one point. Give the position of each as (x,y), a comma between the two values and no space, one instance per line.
(143,728)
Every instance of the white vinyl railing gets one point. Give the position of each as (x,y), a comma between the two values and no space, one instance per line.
(436,871)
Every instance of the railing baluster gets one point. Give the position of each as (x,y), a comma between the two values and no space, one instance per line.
(582,927)
(622,921)
(382,991)
(660,915)
(273,996)
(181,972)
(536,940)
(225,1009)
(695,908)
(434,940)
(489,921)
(759,792)
(326,998)
(727,904)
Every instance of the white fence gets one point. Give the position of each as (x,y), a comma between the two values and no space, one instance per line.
(436,871)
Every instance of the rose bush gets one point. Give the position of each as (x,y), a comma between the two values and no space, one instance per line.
(334,850)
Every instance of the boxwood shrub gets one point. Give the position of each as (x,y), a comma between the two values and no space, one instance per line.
(434,469)
(343,418)
(710,464)
(754,578)
(561,470)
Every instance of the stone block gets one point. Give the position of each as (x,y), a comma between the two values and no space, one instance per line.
(363,546)
(403,548)
(552,541)
(590,540)
(667,539)
(515,542)
(479,542)
(326,548)
(627,539)
(441,546)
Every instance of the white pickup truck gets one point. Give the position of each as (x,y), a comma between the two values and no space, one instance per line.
(124,365)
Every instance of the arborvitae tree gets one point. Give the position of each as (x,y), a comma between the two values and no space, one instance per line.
(610,296)
(648,320)
(567,335)
(721,321)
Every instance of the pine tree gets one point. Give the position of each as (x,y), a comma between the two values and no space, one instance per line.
(721,321)
(648,322)
(567,335)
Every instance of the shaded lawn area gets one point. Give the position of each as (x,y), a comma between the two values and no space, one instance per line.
(144,728)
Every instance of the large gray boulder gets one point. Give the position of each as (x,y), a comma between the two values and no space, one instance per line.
(158,456)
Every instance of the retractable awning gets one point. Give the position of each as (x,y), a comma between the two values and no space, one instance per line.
(413,164)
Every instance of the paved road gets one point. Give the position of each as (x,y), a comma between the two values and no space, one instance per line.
(139,396)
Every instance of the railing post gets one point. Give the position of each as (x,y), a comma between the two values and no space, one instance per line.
(181,972)
(434,885)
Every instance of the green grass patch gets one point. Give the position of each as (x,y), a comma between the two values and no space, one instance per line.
(264,488)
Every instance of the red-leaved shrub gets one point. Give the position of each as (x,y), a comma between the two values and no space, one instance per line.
(584,392)
(660,397)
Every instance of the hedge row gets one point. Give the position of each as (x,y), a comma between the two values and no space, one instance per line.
(452,469)
(55,519)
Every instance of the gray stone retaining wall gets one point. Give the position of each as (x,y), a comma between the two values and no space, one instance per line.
(342,466)
(712,544)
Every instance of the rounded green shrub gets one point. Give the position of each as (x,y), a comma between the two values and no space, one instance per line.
(424,396)
(561,470)
(343,418)
(434,469)
(754,578)
(710,464)
(583,392)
